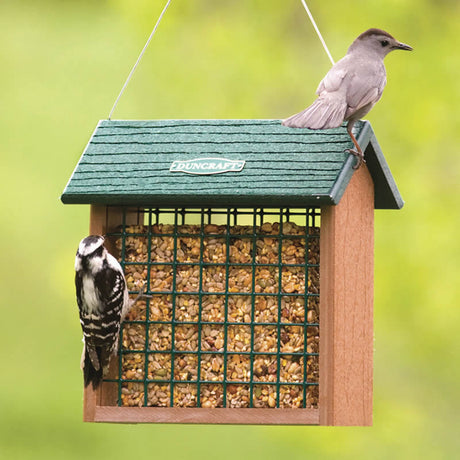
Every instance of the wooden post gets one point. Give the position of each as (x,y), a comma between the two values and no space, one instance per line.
(346,305)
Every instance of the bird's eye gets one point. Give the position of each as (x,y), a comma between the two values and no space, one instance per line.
(384,43)
(98,252)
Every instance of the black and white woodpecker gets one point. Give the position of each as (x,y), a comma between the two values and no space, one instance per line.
(103,301)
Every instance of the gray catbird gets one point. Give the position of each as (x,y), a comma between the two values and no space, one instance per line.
(352,86)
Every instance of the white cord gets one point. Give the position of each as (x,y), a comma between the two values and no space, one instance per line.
(317,31)
(158,23)
(139,58)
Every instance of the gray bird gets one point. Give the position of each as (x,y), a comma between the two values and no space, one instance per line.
(351,88)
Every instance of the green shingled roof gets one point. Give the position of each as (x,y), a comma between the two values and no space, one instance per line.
(127,162)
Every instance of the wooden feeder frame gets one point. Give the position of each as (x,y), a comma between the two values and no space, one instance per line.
(346,313)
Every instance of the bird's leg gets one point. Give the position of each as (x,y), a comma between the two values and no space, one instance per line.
(358,153)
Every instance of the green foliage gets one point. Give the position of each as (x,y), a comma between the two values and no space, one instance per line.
(63,64)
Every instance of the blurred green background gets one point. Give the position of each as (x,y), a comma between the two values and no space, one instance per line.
(62,66)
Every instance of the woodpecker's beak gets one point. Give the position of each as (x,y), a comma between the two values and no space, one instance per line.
(402,46)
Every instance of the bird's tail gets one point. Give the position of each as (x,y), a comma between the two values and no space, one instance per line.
(326,112)
(96,360)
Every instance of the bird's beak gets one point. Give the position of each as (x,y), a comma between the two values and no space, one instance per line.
(402,46)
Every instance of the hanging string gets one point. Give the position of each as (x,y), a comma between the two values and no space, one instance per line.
(140,57)
(317,31)
(158,23)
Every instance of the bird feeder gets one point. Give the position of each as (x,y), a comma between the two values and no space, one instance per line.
(255,243)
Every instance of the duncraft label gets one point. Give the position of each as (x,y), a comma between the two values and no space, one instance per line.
(207,166)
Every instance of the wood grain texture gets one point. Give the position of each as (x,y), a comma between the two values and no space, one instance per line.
(214,416)
(97,220)
(346,305)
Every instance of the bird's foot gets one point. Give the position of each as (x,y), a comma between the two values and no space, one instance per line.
(141,295)
(359,155)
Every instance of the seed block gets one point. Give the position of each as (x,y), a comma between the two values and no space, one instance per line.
(232,319)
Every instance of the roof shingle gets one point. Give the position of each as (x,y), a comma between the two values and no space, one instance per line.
(127,162)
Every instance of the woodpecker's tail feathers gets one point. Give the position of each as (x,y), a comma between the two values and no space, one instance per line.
(95,364)
(326,112)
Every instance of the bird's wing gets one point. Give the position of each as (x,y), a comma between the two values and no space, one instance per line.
(364,89)
(333,79)
(361,82)
(110,285)
(78,288)
(336,76)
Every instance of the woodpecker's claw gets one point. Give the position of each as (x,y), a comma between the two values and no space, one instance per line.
(358,155)
(141,294)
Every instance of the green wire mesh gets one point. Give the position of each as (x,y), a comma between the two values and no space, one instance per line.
(233,317)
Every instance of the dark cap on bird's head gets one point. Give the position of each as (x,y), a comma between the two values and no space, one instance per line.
(386,40)
(374,31)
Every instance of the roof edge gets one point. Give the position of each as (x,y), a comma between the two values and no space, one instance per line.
(343,179)
(62,197)
(172,200)
(387,195)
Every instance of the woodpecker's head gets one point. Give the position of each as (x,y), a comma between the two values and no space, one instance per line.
(91,253)
(379,42)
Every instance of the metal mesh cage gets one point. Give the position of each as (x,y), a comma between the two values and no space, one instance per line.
(233,317)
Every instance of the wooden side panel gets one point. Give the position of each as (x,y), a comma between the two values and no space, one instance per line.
(104,219)
(346,305)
